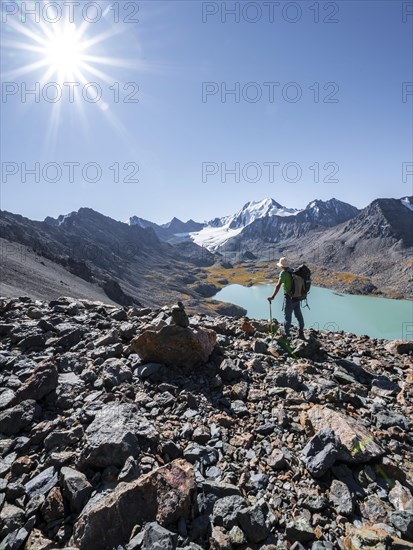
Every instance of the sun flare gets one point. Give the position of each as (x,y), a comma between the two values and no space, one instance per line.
(58,60)
(64,52)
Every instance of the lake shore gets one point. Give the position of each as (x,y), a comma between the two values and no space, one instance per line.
(328,310)
(250,273)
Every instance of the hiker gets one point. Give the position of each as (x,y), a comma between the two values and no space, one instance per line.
(290,304)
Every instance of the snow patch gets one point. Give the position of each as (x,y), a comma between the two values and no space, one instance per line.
(220,230)
(213,237)
(61,219)
(406,202)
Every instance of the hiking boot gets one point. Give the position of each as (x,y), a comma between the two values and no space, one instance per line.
(301,335)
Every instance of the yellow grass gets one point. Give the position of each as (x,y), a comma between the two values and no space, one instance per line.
(325,277)
(241,274)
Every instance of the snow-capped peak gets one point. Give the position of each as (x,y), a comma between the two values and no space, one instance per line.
(254,210)
(219,230)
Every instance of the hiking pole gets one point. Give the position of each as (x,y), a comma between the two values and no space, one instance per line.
(270,317)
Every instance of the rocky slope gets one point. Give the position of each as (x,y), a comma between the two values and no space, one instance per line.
(128,264)
(141,429)
(378,244)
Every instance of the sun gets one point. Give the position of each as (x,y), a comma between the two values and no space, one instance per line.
(68,55)
(64,52)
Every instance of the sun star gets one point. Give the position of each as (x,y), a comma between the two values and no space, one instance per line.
(63,52)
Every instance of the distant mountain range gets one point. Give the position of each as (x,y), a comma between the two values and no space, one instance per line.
(90,254)
(257,219)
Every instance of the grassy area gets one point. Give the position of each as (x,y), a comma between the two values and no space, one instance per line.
(245,274)
(248,274)
(331,278)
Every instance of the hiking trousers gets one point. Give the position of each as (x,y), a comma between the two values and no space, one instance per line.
(291,306)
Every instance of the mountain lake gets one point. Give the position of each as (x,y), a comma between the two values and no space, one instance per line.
(329,310)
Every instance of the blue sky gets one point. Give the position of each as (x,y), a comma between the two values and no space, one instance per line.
(337,106)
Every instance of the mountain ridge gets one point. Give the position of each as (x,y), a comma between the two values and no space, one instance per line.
(218,231)
(149,263)
(123,260)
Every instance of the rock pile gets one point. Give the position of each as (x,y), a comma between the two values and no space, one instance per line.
(129,428)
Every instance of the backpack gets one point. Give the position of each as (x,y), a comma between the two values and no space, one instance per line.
(301,278)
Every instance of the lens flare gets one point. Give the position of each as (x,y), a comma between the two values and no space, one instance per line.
(63,52)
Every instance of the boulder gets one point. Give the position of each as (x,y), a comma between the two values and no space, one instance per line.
(6,463)
(219,540)
(260,346)
(41,483)
(69,339)
(115,372)
(32,342)
(309,349)
(226,511)
(117,432)
(321,452)
(157,537)
(15,419)
(400,346)
(174,345)
(246,326)
(403,522)
(43,381)
(206,290)
(37,541)
(358,444)
(127,330)
(11,518)
(111,337)
(76,488)
(164,495)
(14,540)
(63,439)
(367,537)
(131,470)
(6,398)
(229,371)
(401,497)
(341,498)
(149,370)
(299,529)
(53,507)
(252,521)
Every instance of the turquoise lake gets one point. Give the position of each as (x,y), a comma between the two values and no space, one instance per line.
(376,317)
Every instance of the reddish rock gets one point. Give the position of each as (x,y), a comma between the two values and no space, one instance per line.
(366,537)
(175,346)
(22,465)
(42,381)
(53,507)
(37,541)
(219,540)
(246,326)
(164,495)
(358,443)
(399,346)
